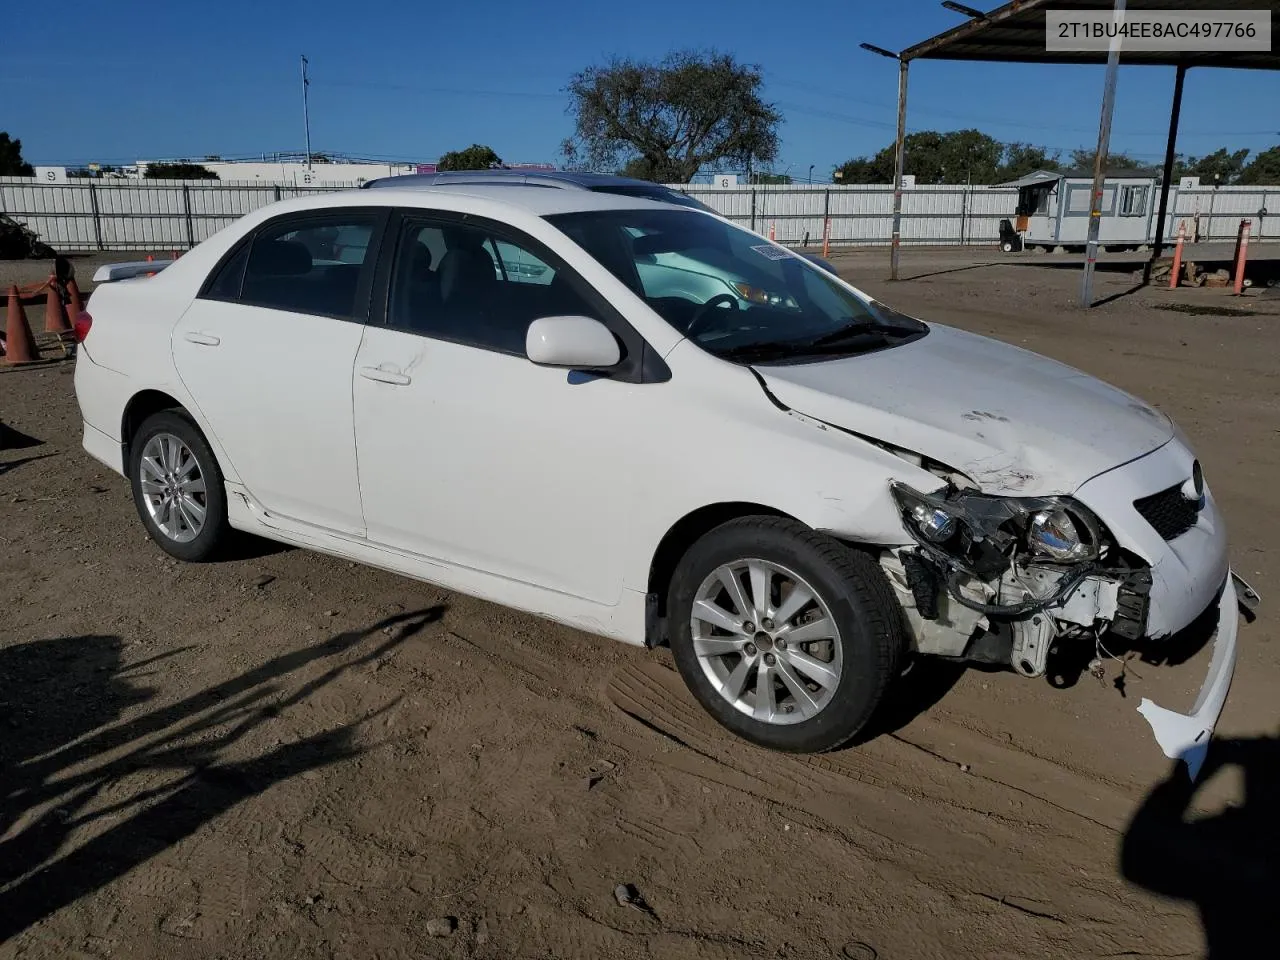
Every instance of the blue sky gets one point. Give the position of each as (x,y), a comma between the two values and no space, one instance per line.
(138,81)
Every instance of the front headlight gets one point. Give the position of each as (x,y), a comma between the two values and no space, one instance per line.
(984,532)
(1053,534)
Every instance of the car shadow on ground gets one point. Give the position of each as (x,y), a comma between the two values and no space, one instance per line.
(12,439)
(1069,661)
(1226,863)
(64,751)
(911,694)
(246,546)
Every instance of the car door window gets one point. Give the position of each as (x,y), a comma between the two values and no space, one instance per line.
(309,266)
(465,284)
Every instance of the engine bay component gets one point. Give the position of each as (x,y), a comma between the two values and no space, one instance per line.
(969,535)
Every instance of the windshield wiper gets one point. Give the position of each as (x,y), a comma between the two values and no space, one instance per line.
(850,341)
(759,352)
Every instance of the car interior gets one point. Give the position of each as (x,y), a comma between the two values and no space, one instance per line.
(451,282)
(302,271)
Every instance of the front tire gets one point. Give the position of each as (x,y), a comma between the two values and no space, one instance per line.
(787,637)
(178,487)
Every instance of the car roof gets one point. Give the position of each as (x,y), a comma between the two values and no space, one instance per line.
(565,179)
(538,201)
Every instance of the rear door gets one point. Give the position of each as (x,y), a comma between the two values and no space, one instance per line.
(267,352)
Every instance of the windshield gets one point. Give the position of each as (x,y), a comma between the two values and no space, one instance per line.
(664,194)
(734,294)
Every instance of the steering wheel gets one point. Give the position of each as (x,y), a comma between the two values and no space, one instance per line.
(705,310)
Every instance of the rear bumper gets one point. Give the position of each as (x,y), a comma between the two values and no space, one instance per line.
(103,448)
(1186,736)
(101,394)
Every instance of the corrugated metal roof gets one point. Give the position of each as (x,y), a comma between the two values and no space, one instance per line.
(1015,33)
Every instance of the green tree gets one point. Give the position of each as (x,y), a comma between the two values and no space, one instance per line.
(960,156)
(1219,167)
(180,170)
(687,112)
(1082,159)
(1263,171)
(11,162)
(475,157)
(866,169)
(1021,159)
(640,168)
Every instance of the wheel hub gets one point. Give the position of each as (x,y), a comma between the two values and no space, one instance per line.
(766,641)
(173,488)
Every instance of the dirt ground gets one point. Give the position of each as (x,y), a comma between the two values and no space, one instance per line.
(284,754)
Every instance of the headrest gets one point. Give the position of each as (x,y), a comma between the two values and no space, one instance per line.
(457,238)
(279,258)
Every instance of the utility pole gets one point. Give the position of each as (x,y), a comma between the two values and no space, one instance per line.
(306,116)
(899,154)
(1100,158)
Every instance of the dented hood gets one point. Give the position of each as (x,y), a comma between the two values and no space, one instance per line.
(1013,421)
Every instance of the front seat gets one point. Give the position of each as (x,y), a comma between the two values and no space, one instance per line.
(467,273)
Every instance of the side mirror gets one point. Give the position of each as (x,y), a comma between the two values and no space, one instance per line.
(579,343)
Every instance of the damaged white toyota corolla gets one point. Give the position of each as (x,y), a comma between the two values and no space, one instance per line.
(644,421)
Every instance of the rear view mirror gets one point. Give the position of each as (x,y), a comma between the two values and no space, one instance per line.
(580,343)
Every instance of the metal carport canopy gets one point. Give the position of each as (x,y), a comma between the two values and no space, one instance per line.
(1015,33)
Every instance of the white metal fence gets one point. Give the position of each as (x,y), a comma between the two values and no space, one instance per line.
(97,214)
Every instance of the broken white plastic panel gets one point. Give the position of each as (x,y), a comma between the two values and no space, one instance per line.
(1186,736)
(109,272)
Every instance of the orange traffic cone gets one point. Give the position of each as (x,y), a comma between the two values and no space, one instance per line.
(771,233)
(55,318)
(73,292)
(20,345)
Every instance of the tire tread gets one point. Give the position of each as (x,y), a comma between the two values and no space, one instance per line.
(861,576)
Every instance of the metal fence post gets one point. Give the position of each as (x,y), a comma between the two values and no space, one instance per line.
(964,213)
(826,212)
(97,216)
(277,194)
(186,203)
(753,206)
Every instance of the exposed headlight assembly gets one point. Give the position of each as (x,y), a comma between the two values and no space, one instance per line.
(964,532)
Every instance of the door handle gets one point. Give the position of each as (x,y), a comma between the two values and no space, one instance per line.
(204,339)
(385,376)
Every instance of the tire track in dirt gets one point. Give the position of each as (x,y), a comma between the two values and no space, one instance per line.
(950,833)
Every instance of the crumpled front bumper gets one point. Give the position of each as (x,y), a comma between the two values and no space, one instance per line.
(1186,736)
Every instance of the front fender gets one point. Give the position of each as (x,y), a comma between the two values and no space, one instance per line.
(734,445)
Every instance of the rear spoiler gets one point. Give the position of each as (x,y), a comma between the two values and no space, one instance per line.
(109,272)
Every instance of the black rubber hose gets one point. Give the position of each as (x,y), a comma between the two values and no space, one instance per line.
(1068,584)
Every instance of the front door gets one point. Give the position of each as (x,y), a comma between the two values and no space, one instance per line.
(267,351)
(469,452)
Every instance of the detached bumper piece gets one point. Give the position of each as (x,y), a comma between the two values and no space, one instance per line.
(1186,737)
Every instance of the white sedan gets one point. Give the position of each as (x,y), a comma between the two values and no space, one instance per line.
(658,427)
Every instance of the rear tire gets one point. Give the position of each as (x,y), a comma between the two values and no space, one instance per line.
(178,487)
(744,661)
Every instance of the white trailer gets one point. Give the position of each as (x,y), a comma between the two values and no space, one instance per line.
(1053,210)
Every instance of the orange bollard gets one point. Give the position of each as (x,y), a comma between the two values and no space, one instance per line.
(1177,255)
(76,307)
(55,318)
(20,345)
(772,236)
(826,238)
(1242,255)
